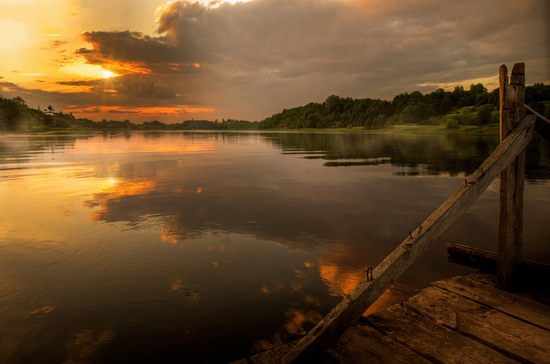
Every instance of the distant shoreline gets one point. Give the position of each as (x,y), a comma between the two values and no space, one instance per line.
(393,129)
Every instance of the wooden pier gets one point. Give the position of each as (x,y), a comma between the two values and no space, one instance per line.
(465,319)
(479,318)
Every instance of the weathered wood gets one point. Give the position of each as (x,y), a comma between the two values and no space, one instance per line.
(273,356)
(364,344)
(472,257)
(512,179)
(542,124)
(241,361)
(517,94)
(367,291)
(432,340)
(532,274)
(481,288)
(506,334)
(505,125)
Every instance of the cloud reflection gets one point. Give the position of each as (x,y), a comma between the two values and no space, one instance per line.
(298,323)
(42,311)
(113,191)
(340,280)
(86,344)
(180,289)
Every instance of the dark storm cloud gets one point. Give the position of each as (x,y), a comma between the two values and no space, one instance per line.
(291,38)
(264,55)
(127,46)
(131,85)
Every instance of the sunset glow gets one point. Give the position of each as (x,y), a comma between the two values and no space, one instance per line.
(87,71)
(172,61)
(13,35)
(213,181)
(132,112)
(108,74)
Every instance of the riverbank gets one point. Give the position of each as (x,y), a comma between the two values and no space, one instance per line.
(393,129)
(404,129)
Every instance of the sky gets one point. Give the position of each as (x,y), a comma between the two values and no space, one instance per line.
(145,60)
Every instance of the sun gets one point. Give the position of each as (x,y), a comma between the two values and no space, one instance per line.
(13,34)
(108,74)
(88,70)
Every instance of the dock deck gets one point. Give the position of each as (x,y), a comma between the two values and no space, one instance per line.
(465,319)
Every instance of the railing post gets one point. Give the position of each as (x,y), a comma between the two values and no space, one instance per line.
(512,110)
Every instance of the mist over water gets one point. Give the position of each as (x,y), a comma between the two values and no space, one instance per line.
(203,247)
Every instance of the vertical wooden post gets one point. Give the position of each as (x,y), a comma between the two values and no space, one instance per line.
(512,110)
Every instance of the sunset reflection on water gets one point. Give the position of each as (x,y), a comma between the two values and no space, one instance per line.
(164,243)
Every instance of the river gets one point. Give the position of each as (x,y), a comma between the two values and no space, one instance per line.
(207,246)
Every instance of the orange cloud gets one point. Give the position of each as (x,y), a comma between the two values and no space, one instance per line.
(93,111)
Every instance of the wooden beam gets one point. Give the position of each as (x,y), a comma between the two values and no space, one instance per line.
(505,125)
(542,125)
(532,274)
(472,257)
(367,291)
(512,111)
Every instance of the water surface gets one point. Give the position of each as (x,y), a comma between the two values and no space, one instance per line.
(204,247)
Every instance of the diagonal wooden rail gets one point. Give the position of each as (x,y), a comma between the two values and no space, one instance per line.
(353,306)
(519,130)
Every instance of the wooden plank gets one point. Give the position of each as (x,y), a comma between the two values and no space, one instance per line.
(514,338)
(505,125)
(516,91)
(542,124)
(273,356)
(364,344)
(432,340)
(532,274)
(512,179)
(367,291)
(481,288)
(241,361)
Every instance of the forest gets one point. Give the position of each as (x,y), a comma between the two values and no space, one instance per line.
(16,116)
(455,109)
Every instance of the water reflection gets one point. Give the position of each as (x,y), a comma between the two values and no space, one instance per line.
(86,344)
(452,154)
(164,243)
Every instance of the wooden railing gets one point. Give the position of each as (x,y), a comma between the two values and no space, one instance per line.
(508,161)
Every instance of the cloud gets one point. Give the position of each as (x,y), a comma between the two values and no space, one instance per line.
(133,97)
(264,55)
(251,59)
(131,85)
(290,38)
(127,46)
(79,83)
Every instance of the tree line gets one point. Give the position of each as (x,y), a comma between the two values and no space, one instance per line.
(17,116)
(475,106)
(455,108)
